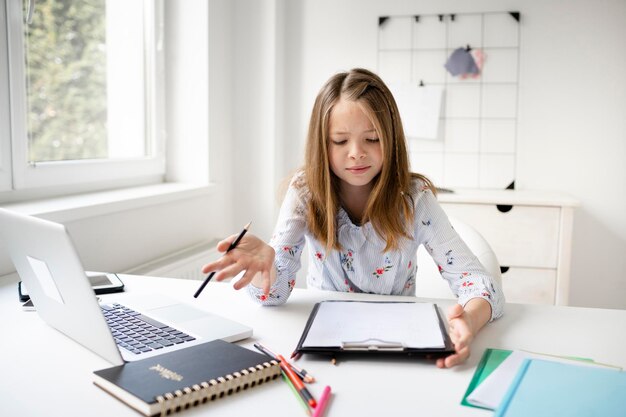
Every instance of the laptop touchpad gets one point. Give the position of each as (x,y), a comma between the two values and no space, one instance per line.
(178,313)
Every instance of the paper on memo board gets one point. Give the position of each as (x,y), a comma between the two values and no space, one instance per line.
(420,109)
(352,323)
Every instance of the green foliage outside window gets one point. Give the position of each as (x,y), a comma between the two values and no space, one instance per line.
(66,80)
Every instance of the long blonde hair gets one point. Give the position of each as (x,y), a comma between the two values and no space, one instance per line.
(389,207)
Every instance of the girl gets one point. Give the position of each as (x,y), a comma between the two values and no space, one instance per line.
(363,215)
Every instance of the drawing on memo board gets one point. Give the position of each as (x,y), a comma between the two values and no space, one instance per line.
(477,134)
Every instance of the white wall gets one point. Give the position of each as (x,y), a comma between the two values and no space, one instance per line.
(254,124)
(266,87)
(572,133)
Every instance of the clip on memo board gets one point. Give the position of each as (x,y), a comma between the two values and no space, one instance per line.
(375,327)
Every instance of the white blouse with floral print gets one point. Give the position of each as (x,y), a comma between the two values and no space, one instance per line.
(362,266)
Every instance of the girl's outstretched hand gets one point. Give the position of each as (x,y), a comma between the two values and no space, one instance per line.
(251,255)
(461,335)
(464,324)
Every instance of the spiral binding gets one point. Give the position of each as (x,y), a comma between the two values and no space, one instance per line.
(181,399)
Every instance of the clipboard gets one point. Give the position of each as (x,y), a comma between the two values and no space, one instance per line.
(391,331)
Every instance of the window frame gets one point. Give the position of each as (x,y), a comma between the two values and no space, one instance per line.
(5,118)
(63,177)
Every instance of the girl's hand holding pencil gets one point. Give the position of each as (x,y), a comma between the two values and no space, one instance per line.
(251,255)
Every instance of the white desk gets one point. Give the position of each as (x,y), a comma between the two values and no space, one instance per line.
(45,373)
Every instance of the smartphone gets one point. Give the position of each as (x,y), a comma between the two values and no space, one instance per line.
(105,283)
(101,282)
(22,293)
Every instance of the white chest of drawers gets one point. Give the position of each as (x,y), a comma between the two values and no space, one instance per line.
(530,233)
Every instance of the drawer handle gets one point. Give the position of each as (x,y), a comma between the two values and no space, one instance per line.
(504,269)
(502,208)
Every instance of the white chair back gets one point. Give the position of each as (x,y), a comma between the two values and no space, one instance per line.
(430,284)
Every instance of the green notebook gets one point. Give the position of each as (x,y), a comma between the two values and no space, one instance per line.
(492,358)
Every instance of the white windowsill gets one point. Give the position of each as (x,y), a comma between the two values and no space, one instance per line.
(75,207)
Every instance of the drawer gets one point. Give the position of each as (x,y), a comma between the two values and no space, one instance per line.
(525,236)
(529,285)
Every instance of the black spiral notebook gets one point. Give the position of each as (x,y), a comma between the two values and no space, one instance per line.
(375,327)
(177,380)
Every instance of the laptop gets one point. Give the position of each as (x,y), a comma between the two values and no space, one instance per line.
(46,261)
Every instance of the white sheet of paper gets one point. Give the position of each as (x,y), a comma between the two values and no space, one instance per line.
(420,108)
(340,323)
(490,392)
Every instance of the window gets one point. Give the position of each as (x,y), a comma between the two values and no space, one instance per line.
(5,143)
(85,94)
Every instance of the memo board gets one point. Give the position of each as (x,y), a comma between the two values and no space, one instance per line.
(477,135)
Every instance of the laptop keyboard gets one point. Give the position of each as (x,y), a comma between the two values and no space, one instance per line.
(138,333)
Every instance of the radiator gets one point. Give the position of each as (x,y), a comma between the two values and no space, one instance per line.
(184,264)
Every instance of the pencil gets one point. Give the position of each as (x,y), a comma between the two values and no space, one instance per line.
(322,403)
(231,247)
(297,382)
(295,391)
(303,374)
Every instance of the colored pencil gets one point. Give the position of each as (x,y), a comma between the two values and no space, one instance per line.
(297,382)
(322,403)
(303,374)
(295,391)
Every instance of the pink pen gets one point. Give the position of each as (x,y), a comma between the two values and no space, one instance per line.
(318,411)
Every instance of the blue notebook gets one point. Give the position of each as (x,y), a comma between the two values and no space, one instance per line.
(544,388)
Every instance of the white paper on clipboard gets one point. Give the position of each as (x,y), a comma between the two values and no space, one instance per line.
(382,324)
